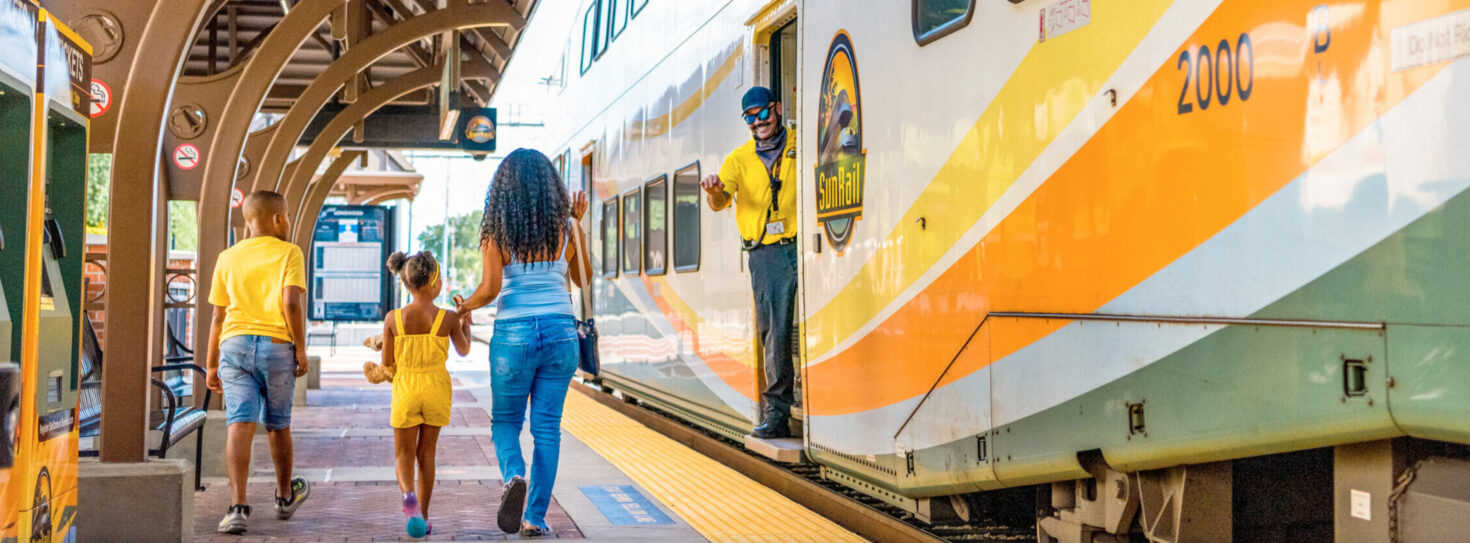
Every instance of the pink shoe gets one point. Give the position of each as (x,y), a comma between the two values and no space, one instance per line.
(416,526)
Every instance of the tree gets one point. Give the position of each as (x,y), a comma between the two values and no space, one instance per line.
(464,259)
(99,177)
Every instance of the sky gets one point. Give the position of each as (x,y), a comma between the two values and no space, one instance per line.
(454,182)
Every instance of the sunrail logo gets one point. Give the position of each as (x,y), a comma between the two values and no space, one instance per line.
(841,158)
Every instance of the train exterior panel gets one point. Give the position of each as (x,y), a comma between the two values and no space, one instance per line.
(1164,232)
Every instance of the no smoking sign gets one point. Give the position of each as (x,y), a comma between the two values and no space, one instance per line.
(186,156)
(101,98)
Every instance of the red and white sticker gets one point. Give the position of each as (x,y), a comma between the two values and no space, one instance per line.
(186,156)
(101,98)
(237,197)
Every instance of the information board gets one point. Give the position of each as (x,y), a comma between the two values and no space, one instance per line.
(349,280)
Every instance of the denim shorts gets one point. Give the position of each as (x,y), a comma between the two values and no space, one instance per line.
(259,377)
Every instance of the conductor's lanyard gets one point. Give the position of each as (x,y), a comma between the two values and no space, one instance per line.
(774,174)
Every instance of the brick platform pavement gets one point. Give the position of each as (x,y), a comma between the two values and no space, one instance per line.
(354,496)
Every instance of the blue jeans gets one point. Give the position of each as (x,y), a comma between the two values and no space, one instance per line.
(258,375)
(531,359)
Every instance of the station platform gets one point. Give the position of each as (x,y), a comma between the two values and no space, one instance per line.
(618,480)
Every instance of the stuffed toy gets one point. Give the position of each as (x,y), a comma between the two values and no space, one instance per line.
(376,373)
(371,370)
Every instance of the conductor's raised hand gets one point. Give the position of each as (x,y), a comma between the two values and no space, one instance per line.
(712,185)
(579,204)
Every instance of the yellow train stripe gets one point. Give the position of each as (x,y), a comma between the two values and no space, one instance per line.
(1059,76)
(718,502)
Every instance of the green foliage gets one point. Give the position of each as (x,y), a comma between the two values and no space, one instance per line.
(464,261)
(183,225)
(99,185)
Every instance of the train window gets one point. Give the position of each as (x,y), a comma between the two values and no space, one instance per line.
(635,7)
(610,237)
(656,225)
(933,19)
(591,37)
(686,218)
(632,232)
(617,19)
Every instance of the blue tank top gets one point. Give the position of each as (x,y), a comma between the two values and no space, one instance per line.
(536,289)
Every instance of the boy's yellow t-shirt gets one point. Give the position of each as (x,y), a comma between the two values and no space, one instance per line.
(247,282)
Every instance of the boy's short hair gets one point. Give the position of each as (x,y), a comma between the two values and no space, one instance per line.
(263,203)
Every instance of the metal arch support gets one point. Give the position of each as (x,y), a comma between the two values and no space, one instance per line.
(248,183)
(388,195)
(312,205)
(342,70)
(296,181)
(222,153)
(138,200)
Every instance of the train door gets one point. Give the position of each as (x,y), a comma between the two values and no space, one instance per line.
(584,184)
(777,43)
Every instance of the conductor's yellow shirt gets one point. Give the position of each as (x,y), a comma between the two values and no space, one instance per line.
(748,181)
(247,282)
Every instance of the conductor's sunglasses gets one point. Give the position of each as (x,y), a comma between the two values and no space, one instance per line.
(763,114)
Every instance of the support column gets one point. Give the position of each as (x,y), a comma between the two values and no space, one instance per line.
(134,293)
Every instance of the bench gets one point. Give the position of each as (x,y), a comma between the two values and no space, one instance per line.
(174,421)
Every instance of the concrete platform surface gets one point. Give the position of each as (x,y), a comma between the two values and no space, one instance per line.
(627,484)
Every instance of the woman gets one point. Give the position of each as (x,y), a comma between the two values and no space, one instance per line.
(530,241)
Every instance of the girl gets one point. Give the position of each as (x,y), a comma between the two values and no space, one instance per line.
(529,240)
(415,347)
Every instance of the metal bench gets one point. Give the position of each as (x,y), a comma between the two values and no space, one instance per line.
(174,421)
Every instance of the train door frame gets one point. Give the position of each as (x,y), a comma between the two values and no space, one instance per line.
(585,168)
(776,40)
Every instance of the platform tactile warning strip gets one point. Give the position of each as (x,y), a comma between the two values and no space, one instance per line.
(718,502)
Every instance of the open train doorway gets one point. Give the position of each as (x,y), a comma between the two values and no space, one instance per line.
(777,45)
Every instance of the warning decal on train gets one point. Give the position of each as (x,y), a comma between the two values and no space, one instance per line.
(841,158)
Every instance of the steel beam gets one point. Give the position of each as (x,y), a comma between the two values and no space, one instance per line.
(295,185)
(312,205)
(363,55)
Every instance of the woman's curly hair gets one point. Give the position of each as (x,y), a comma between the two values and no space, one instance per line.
(526,208)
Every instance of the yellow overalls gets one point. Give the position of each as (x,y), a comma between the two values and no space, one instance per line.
(421,390)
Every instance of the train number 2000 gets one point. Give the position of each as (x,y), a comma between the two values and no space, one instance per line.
(1217,75)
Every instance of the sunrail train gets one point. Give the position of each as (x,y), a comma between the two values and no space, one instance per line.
(1191,270)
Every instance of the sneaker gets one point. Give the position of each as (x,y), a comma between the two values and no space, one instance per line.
(512,505)
(532,530)
(415,525)
(300,489)
(235,519)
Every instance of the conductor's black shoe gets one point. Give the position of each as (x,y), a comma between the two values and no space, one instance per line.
(772,429)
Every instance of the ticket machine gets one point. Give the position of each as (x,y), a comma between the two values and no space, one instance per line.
(18,89)
(40,496)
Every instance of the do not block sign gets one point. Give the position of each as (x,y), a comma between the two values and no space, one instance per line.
(186,156)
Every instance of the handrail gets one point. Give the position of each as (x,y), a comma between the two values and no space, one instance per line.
(1301,323)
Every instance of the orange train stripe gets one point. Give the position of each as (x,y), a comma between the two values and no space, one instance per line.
(738,375)
(1148,187)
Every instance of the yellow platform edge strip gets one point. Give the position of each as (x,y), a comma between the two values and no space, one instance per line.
(718,502)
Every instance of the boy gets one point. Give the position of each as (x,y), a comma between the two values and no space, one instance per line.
(257,349)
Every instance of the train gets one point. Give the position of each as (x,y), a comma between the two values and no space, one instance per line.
(45,103)
(1186,270)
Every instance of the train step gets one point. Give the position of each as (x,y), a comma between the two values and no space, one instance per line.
(787,449)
